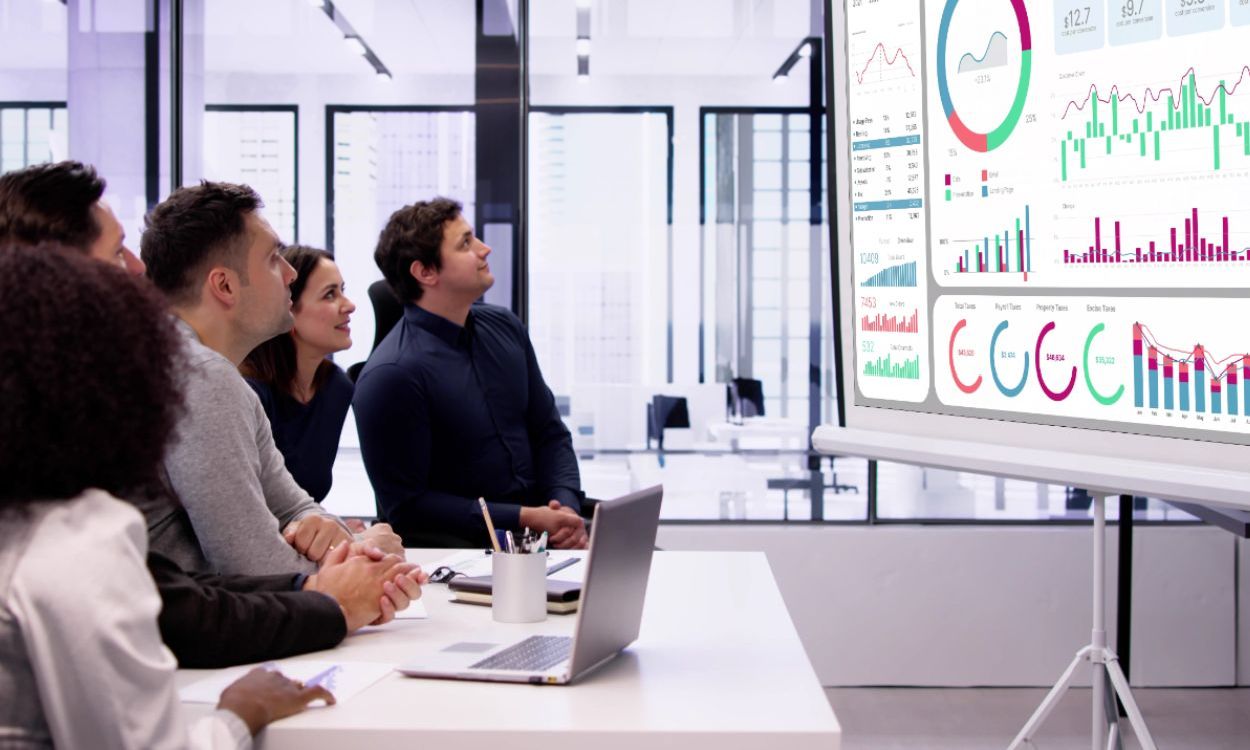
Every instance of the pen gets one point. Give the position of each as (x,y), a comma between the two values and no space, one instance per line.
(490,526)
(511,542)
(562,565)
(542,542)
(322,677)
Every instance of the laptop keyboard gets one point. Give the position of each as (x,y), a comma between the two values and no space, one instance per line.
(534,654)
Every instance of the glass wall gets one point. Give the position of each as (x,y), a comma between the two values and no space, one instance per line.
(662,153)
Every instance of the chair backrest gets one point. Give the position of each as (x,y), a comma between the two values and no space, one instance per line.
(746,397)
(665,411)
(387,310)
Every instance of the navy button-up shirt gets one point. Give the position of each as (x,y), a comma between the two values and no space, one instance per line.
(448,414)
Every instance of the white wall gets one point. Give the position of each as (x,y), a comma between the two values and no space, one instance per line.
(998,606)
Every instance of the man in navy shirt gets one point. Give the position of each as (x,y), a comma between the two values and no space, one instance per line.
(452,406)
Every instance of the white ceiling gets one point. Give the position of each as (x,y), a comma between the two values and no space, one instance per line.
(433,37)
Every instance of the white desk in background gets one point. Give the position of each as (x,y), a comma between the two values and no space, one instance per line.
(774,433)
(717,665)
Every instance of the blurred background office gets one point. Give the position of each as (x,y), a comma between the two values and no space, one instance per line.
(650,175)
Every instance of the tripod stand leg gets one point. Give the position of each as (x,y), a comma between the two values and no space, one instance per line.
(1112,712)
(1048,703)
(1130,706)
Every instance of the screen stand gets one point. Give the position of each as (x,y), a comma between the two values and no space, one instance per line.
(1104,661)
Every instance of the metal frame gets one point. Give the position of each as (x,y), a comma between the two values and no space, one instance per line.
(294,110)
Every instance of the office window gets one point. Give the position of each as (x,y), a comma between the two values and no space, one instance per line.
(383,159)
(32,134)
(257,145)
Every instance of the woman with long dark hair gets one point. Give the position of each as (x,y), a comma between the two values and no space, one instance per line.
(305,395)
(89,396)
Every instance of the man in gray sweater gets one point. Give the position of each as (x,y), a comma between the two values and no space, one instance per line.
(217,261)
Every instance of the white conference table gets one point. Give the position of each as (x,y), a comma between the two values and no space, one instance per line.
(717,664)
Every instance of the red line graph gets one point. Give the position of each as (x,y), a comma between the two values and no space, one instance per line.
(1151,97)
(879,51)
(1218,364)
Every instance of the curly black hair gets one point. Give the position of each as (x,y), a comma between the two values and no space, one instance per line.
(51,203)
(413,233)
(89,390)
(191,230)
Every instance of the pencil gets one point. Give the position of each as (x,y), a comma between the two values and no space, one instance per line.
(494,541)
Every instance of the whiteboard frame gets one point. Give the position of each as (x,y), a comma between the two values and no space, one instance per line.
(1105,460)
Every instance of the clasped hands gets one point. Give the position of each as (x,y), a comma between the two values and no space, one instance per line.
(368,576)
(565,528)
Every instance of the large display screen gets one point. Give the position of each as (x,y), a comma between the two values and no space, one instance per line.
(1050,211)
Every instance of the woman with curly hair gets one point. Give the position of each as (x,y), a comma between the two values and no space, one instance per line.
(88,399)
(305,395)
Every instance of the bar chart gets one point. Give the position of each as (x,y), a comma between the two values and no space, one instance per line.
(1191,379)
(1007,251)
(1185,244)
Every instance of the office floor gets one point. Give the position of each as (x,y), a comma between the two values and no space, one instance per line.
(989,718)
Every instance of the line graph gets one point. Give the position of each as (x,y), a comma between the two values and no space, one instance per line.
(1152,97)
(995,55)
(885,63)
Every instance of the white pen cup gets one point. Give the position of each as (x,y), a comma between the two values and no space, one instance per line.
(519,587)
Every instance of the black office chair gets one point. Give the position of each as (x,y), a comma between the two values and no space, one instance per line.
(663,412)
(387,311)
(745,397)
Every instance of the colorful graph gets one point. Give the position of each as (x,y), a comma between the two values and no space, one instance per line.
(1147,122)
(886,367)
(1188,379)
(882,64)
(994,138)
(1186,244)
(881,323)
(1012,251)
(903,274)
(995,55)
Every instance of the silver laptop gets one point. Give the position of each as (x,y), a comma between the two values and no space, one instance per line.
(622,537)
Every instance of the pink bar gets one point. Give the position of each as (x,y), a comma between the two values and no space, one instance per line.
(1117,241)
(1195,215)
(1152,249)
(1188,236)
(1175,249)
(1227,245)
(1098,235)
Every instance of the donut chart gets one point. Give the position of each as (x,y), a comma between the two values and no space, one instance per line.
(984,142)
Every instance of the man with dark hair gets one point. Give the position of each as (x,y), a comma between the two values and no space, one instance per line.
(63,203)
(452,405)
(217,260)
(208,621)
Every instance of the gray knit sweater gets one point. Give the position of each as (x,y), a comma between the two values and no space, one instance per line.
(235,491)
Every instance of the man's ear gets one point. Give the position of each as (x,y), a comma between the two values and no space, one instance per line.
(222,285)
(425,275)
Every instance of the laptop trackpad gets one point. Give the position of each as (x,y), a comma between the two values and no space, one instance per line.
(469,647)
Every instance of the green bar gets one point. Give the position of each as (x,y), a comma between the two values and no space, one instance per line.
(1135,123)
(1184,110)
(1089,130)
(1115,115)
(1150,121)
(1102,131)
(1083,153)
(1156,147)
(1245,138)
(1063,161)
(1238,130)
(1143,144)
(1216,131)
(1206,117)
(1171,111)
